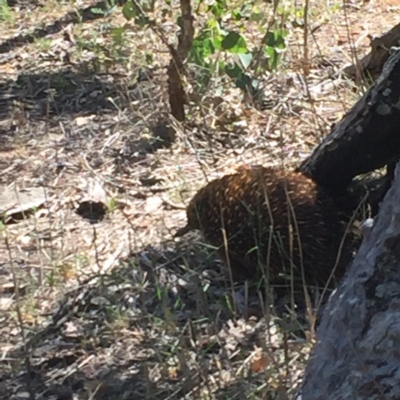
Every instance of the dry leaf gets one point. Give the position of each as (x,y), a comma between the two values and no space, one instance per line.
(153,204)
(259,362)
(79,121)
(173,373)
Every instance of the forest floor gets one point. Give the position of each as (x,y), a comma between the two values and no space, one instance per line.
(97,299)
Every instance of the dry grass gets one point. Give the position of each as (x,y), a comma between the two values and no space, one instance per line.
(117,309)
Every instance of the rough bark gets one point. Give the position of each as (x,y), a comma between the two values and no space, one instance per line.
(366,139)
(371,65)
(357,355)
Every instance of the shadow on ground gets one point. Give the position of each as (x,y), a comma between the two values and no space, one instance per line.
(77,110)
(60,97)
(160,326)
(73,17)
(74,92)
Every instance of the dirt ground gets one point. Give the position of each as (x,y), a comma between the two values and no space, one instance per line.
(97,299)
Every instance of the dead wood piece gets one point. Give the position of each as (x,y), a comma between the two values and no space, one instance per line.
(372,64)
(13,200)
(365,194)
(366,139)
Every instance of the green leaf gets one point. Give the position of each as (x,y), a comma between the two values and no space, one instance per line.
(234,43)
(218,8)
(273,57)
(217,42)
(255,84)
(149,58)
(237,16)
(142,20)
(202,48)
(269,39)
(118,34)
(233,71)
(276,38)
(269,51)
(97,11)
(243,13)
(130,11)
(246,59)
(147,5)
(256,16)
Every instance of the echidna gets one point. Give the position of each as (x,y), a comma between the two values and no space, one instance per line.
(273,222)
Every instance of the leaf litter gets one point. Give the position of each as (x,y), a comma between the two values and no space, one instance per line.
(113,307)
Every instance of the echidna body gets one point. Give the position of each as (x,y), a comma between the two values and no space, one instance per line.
(270,221)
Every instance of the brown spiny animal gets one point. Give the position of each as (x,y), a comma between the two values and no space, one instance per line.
(273,222)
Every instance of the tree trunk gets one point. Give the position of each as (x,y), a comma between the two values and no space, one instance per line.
(176,90)
(357,355)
